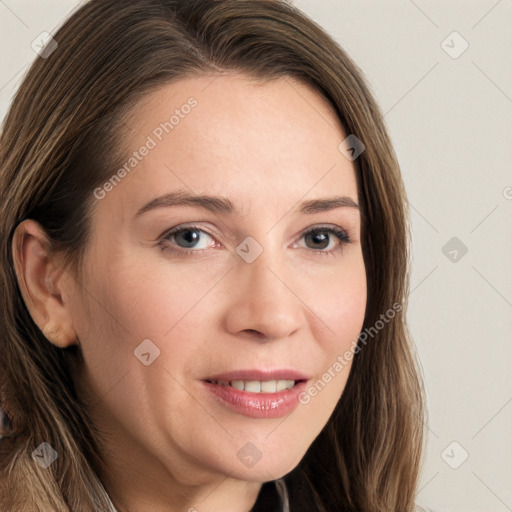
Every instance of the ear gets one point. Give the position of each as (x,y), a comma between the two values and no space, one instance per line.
(41,284)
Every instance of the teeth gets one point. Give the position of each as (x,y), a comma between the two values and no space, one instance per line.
(269,386)
(256,386)
(253,386)
(237,384)
(284,384)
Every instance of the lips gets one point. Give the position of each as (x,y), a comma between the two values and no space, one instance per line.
(259,375)
(259,381)
(258,393)
(257,386)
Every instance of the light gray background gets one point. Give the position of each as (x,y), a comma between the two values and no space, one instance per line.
(451,123)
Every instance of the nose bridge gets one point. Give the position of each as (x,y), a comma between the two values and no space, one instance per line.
(264,263)
(264,300)
(262,273)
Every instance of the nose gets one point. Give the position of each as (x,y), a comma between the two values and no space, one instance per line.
(263,304)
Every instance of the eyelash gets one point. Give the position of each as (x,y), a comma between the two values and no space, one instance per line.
(339,233)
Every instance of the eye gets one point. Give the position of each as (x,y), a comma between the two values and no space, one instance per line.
(187,240)
(320,239)
(186,237)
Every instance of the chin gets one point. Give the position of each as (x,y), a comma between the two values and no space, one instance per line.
(267,458)
(263,472)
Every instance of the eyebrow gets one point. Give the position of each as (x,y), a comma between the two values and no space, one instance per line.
(218,204)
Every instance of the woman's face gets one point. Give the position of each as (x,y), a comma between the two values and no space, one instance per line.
(172,326)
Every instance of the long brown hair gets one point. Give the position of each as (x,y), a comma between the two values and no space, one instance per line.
(59,143)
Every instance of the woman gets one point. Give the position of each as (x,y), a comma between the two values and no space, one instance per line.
(204,265)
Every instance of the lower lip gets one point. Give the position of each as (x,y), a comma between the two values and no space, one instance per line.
(257,405)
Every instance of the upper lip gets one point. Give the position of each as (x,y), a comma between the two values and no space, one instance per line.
(259,374)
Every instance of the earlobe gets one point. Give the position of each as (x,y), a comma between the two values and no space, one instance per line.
(38,280)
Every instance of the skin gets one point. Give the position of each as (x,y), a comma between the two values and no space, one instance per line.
(170,446)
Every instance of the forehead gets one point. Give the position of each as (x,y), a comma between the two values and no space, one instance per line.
(232,135)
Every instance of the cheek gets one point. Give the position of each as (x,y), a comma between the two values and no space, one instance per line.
(136,313)
(341,304)
(146,303)
(341,307)
(126,309)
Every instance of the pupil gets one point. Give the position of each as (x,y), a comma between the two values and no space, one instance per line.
(320,237)
(190,236)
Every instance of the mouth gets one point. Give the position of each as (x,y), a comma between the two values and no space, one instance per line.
(257,393)
(257,386)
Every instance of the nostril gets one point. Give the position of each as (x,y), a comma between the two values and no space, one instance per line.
(257,333)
